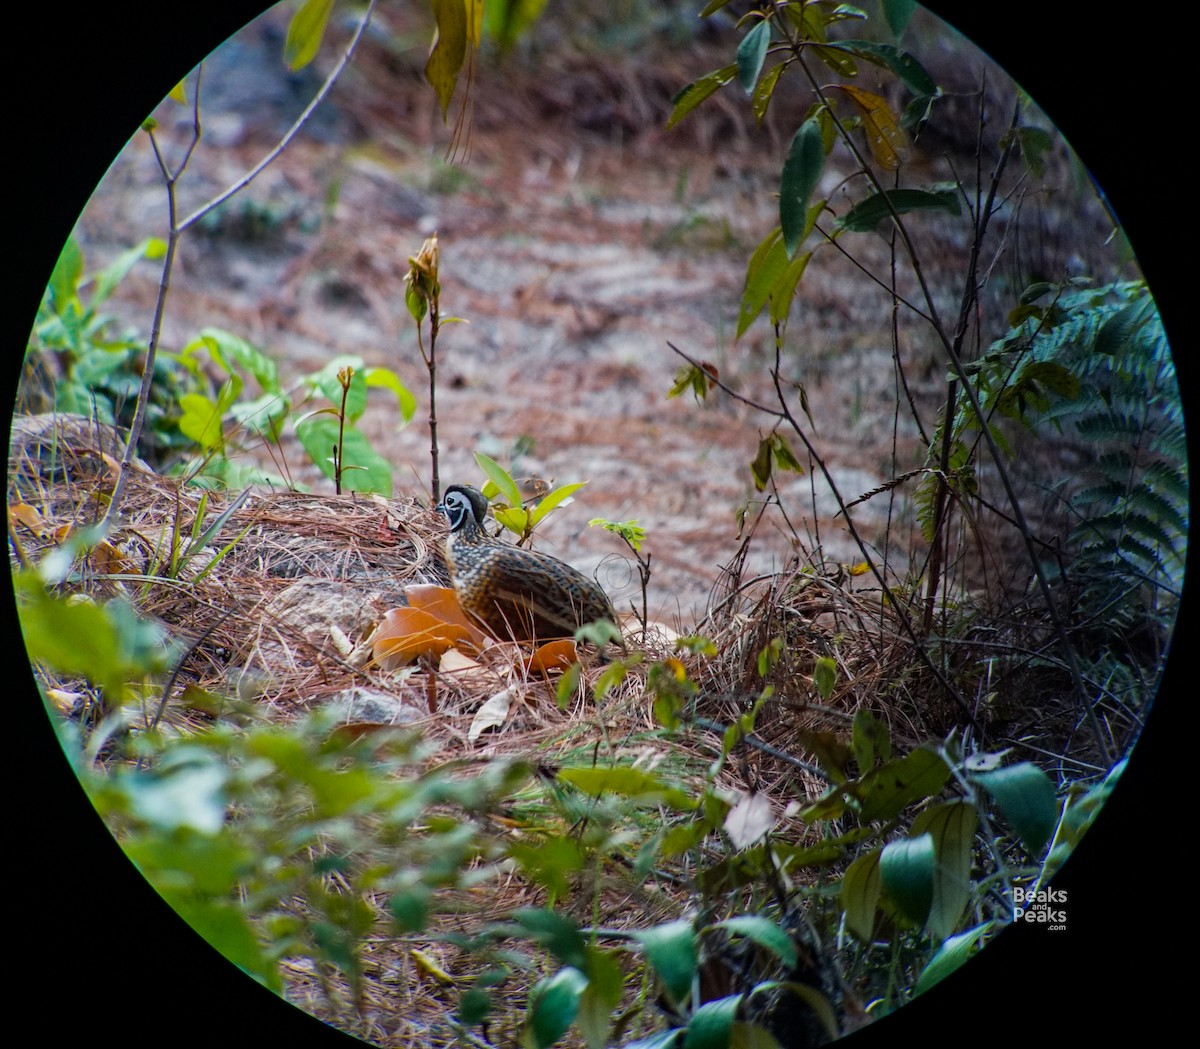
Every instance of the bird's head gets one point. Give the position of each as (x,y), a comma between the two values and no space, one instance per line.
(461,503)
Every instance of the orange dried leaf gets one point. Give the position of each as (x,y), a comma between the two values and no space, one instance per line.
(406,634)
(30,517)
(553,656)
(442,603)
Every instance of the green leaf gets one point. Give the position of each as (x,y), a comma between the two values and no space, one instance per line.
(950,956)
(671,951)
(801,173)
(548,861)
(785,290)
(764,272)
(553,1005)
(751,53)
(889,789)
(200,420)
(552,499)
(867,214)
(227,927)
(697,91)
(448,51)
(500,477)
(64,280)
(897,14)
(556,933)
(711,1026)
(233,353)
(606,982)
(190,795)
(952,828)
(1026,797)
(906,869)
(107,280)
(629,782)
(872,740)
(1118,331)
(907,68)
(825,676)
(764,90)
(859,895)
(389,380)
(305,32)
(365,470)
(765,933)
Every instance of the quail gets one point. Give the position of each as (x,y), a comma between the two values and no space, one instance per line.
(512,592)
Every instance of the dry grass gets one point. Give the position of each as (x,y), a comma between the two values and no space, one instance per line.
(275,611)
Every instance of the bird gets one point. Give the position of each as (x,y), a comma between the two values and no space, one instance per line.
(511,592)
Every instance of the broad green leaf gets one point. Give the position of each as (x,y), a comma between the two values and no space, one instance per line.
(764,272)
(555,932)
(824,676)
(305,32)
(764,89)
(228,350)
(711,1026)
(227,927)
(106,281)
(364,469)
(548,861)
(1077,816)
(568,686)
(389,380)
(950,956)
(1025,795)
(552,499)
(500,477)
(801,173)
(448,51)
(64,280)
(751,52)
(897,14)
(871,739)
(867,214)
(628,782)
(889,789)
(907,68)
(697,91)
(191,795)
(831,752)
(765,933)
(906,869)
(671,951)
(200,420)
(515,518)
(859,895)
(553,1005)
(952,827)
(606,982)
(785,289)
